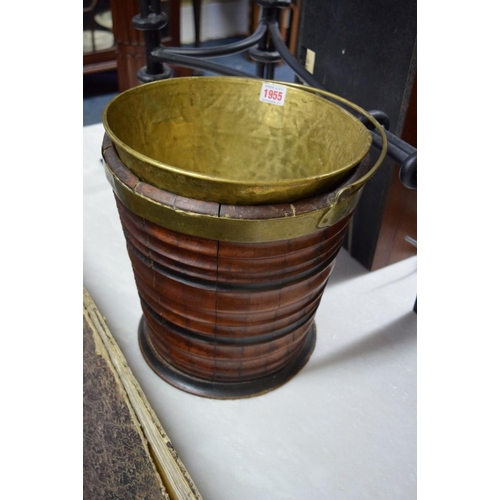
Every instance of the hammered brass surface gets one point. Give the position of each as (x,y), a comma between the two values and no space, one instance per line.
(211,138)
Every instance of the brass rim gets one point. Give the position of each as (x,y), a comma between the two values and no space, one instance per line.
(117,141)
(216,182)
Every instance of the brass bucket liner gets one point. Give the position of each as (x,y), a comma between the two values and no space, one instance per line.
(229,292)
(212,138)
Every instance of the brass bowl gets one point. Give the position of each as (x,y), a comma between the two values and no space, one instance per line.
(213,139)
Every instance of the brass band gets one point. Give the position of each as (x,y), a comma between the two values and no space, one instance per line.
(295,222)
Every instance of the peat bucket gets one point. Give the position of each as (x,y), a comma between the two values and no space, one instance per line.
(233,210)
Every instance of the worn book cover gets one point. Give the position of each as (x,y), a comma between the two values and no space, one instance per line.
(126,452)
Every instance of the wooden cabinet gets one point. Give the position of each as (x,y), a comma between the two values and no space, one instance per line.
(105,20)
(99,46)
(367,54)
(400,213)
(289,22)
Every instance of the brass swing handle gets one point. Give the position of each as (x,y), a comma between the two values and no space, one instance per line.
(349,190)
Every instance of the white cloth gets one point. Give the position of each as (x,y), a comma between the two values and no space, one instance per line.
(343,428)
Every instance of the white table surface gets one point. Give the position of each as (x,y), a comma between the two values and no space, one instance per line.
(343,428)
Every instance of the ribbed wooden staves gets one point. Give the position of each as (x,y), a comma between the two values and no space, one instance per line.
(225,314)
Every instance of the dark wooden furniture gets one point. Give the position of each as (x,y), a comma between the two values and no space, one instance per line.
(290,18)
(225,319)
(366,52)
(400,213)
(127,55)
(130,45)
(97,60)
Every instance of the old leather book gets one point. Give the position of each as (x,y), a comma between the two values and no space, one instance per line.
(126,452)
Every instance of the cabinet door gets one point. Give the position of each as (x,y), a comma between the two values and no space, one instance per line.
(366,52)
(99,44)
(108,21)
(130,55)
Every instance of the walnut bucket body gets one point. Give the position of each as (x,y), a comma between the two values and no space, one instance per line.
(228,291)
(227,319)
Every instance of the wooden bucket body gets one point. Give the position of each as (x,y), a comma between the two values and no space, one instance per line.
(226,319)
(234,209)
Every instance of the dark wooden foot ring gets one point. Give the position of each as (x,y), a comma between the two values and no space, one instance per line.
(217,390)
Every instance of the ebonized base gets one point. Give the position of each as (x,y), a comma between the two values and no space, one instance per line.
(217,390)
